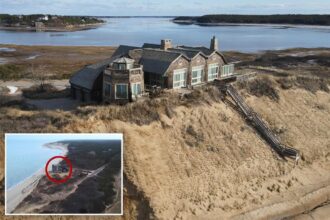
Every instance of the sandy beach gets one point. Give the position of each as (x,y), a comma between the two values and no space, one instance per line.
(17,193)
(59,146)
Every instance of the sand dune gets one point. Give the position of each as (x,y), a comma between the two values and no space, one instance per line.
(202,161)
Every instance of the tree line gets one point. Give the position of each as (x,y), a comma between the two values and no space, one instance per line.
(48,20)
(258,19)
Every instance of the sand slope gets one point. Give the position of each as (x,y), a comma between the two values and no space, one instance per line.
(205,162)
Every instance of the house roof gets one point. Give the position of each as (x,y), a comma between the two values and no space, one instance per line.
(123,60)
(154,46)
(157,61)
(135,54)
(189,53)
(205,50)
(123,50)
(86,76)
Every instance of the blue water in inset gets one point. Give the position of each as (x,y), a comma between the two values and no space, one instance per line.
(25,155)
(136,31)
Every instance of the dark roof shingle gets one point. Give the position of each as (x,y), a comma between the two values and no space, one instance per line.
(152,46)
(86,76)
(123,50)
(157,61)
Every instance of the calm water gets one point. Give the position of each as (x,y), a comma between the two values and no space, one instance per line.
(24,156)
(136,31)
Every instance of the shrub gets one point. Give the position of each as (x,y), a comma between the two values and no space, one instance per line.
(10,71)
(312,84)
(260,87)
(45,91)
(285,83)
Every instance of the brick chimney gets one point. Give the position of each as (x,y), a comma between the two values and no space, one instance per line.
(214,44)
(165,44)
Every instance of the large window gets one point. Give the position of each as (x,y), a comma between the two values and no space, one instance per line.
(179,78)
(196,75)
(107,89)
(227,70)
(212,72)
(136,89)
(121,91)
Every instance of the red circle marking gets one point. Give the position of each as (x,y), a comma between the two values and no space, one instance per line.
(61,180)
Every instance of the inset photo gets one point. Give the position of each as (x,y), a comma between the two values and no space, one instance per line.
(73,174)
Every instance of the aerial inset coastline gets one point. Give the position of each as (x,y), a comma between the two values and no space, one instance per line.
(84,178)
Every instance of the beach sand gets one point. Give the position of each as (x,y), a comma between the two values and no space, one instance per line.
(16,194)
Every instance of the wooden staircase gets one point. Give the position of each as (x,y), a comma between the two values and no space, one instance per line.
(260,126)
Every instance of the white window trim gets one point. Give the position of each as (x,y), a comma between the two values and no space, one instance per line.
(132,86)
(116,90)
(180,71)
(214,76)
(227,70)
(198,68)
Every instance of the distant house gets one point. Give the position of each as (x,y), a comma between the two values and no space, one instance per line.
(59,169)
(40,26)
(140,68)
(45,18)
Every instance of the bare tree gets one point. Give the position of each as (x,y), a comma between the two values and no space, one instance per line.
(39,76)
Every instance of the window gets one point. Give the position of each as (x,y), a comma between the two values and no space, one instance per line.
(213,72)
(129,66)
(119,66)
(179,78)
(196,75)
(107,89)
(121,91)
(227,70)
(136,89)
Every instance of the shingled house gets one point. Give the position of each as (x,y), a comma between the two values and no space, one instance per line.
(160,65)
(122,81)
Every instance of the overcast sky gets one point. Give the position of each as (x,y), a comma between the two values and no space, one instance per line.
(163,7)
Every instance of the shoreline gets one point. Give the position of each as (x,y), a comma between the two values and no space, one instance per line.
(18,192)
(72,28)
(189,22)
(57,146)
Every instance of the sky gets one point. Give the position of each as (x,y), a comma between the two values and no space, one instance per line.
(47,138)
(163,7)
